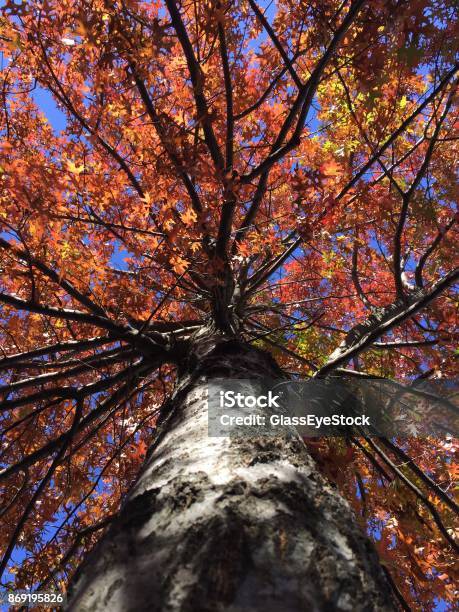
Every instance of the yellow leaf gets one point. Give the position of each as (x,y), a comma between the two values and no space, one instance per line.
(189,217)
(74,169)
(331,168)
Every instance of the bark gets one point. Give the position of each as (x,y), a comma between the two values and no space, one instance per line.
(229,524)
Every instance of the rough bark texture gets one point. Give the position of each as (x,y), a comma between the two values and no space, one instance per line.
(223,524)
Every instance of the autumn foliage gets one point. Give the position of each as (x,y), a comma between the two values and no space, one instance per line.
(288,170)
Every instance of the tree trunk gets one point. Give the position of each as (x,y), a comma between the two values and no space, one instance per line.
(229,524)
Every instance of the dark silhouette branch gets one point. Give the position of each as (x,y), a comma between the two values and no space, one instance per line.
(365,334)
(435,243)
(54,276)
(133,373)
(272,35)
(396,133)
(197,80)
(408,194)
(418,493)
(66,441)
(58,347)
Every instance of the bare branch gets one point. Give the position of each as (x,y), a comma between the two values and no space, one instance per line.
(303,101)
(147,344)
(132,373)
(50,377)
(156,120)
(300,107)
(422,475)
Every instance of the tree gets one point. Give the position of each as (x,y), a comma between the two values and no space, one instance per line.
(237,189)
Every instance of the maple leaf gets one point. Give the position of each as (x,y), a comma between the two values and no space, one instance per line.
(189,217)
(139,451)
(179,264)
(244,249)
(330,169)
(73,168)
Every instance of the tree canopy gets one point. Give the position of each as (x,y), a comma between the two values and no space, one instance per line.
(288,170)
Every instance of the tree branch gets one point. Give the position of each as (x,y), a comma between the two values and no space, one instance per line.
(54,276)
(58,347)
(197,80)
(363,335)
(272,35)
(396,133)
